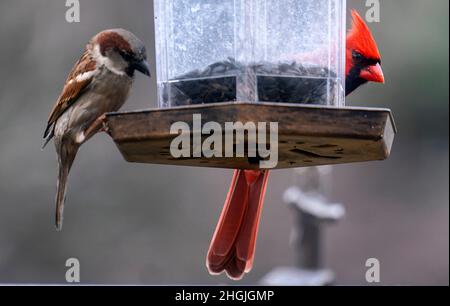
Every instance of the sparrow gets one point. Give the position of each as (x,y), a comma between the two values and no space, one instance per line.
(99,83)
(233,244)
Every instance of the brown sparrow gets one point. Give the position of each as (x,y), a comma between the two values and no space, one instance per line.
(99,83)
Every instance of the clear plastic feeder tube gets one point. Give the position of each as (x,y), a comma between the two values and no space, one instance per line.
(212,51)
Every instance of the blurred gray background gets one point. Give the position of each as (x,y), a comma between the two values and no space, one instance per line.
(143,224)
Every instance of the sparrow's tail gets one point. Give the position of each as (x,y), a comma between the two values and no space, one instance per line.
(48,135)
(233,245)
(66,156)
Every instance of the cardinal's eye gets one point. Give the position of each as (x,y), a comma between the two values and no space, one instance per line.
(358,56)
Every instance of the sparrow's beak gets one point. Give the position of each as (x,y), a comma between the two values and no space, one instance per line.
(142,67)
(373,74)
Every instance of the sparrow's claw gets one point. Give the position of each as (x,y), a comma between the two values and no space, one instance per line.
(105,127)
(99,125)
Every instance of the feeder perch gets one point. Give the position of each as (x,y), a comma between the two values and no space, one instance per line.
(313,205)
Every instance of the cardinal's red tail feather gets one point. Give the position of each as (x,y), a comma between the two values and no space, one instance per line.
(232,247)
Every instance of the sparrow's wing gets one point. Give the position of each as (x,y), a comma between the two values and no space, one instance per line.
(79,79)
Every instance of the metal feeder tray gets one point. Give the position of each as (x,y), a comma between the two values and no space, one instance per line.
(308,135)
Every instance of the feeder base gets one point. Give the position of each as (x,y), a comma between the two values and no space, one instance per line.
(308,135)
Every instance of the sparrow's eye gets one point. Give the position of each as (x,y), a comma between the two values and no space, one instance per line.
(126,56)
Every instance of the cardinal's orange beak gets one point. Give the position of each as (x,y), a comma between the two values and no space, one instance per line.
(373,74)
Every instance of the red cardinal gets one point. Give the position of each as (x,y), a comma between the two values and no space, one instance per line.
(233,245)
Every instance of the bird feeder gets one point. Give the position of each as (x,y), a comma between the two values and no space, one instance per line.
(289,51)
(255,61)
